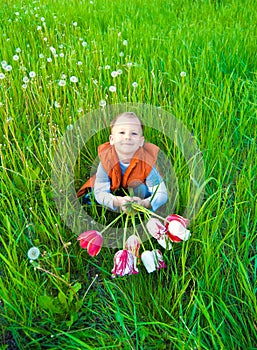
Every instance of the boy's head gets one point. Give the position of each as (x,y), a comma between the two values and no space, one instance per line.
(126,135)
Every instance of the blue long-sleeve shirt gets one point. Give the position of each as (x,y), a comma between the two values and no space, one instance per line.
(154,183)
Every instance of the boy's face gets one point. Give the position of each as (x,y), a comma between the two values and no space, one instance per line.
(126,136)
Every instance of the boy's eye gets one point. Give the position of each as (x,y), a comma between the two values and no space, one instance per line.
(122,132)
(134,133)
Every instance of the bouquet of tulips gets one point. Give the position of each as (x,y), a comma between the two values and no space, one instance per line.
(164,230)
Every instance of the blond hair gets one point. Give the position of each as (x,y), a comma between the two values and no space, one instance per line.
(130,115)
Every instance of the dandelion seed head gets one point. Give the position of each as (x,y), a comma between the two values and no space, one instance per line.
(107,67)
(102,103)
(2,76)
(112,88)
(61,54)
(135,84)
(119,71)
(62,82)
(53,50)
(84,43)
(33,253)
(39,28)
(41,55)
(8,68)
(25,79)
(75,24)
(183,74)
(57,104)
(32,74)
(73,79)
(79,63)
(18,50)
(16,57)
(125,42)
(114,74)
(49,59)
(42,19)
(121,54)
(69,127)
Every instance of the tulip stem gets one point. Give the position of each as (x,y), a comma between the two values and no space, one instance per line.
(145,230)
(113,222)
(148,212)
(136,231)
(125,231)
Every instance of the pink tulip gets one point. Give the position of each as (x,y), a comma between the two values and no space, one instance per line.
(124,263)
(176,228)
(133,244)
(152,260)
(91,240)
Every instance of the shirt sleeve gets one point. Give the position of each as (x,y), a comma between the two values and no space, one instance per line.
(102,189)
(157,188)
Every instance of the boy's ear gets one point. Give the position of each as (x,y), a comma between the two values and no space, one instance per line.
(111,140)
(142,141)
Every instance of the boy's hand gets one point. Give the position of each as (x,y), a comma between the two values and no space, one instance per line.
(121,202)
(143,202)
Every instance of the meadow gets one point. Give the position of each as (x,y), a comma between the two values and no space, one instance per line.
(63,60)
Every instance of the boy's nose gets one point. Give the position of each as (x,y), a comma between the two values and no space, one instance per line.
(127,136)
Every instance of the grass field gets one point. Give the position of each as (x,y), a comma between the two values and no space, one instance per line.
(195,60)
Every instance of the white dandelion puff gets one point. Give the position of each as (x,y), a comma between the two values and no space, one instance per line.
(112,88)
(33,253)
(135,84)
(69,127)
(32,74)
(125,42)
(102,103)
(53,50)
(73,79)
(8,68)
(62,82)
(114,74)
(16,57)
(25,79)
(2,76)
(183,74)
(57,104)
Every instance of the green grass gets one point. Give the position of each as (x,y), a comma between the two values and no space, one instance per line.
(206,298)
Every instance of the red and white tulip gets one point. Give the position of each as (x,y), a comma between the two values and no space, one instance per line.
(124,263)
(133,244)
(177,228)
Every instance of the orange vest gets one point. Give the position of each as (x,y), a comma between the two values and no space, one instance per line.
(139,168)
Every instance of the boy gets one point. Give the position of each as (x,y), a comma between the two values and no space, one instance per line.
(127,162)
